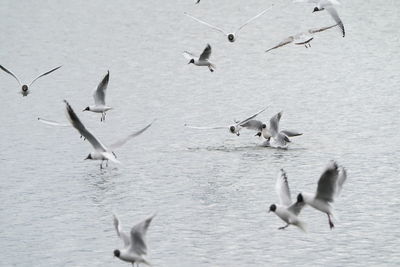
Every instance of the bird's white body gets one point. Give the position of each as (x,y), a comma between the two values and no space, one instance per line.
(287,216)
(99,108)
(318,204)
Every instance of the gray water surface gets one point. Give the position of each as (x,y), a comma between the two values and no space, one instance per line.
(210,189)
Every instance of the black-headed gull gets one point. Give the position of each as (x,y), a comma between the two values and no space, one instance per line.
(101,152)
(231,36)
(203,60)
(99,96)
(329,186)
(286,209)
(275,137)
(25,87)
(327,5)
(303,38)
(234,129)
(135,248)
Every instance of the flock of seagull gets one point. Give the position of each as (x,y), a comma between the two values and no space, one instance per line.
(330,182)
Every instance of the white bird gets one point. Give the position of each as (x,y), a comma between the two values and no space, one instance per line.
(275,137)
(286,209)
(135,248)
(203,60)
(101,152)
(327,5)
(329,186)
(231,36)
(303,38)
(99,96)
(24,87)
(234,129)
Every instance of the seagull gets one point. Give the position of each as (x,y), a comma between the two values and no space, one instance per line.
(24,87)
(203,60)
(327,5)
(329,186)
(303,38)
(135,247)
(99,96)
(231,36)
(279,138)
(234,129)
(287,210)
(101,152)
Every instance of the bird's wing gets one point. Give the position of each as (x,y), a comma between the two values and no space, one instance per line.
(296,207)
(125,238)
(282,189)
(138,237)
(251,117)
(253,125)
(284,42)
(129,137)
(99,93)
(341,179)
(312,31)
(253,18)
(274,124)
(327,184)
(207,24)
(332,11)
(290,133)
(12,74)
(73,118)
(206,127)
(54,123)
(44,74)
(206,53)
(189,55)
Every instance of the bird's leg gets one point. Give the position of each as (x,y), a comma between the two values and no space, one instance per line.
(101,165)
(331,225)
(106,163)
(309,44)
(306,45)
(104,116)
(283,227)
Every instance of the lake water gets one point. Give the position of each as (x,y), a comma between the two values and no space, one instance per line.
(211,190)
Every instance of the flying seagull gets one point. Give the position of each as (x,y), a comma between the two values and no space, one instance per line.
(303,38)
(231,36)
(329,186)
(275,137)
(327,5)
(286,210)
(234,129)
(24,87)
(101,152)
(203,60)
(99,96)
(135,248)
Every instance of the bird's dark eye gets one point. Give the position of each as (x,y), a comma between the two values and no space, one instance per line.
(232,129)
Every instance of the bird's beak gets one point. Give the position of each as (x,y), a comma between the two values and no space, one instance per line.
(86,158)
(83,110)
(269,211)
(189,63)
